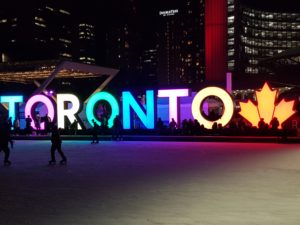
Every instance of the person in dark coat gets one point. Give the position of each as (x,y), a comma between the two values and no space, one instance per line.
(28,121)
(95,131)
(5,139)
(56,145)
(274,124)
(47,120)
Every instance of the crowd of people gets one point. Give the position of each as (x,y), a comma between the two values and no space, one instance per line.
(237,126)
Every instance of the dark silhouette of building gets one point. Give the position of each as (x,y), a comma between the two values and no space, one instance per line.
(86,43)
(45,30)
(36,31)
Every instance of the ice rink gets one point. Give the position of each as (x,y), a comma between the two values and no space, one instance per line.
(152,183)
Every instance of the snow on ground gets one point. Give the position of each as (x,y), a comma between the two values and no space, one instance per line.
(152,183)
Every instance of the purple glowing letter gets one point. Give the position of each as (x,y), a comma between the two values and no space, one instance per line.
(173,95)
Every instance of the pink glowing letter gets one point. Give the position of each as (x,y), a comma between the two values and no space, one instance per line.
(32,103)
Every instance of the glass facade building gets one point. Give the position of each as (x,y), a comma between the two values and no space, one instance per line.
(86,43)
(254,35)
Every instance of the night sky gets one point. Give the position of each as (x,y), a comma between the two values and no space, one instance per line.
(140,14)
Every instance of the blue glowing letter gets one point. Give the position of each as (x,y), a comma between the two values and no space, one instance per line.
(11,100)
(98,97)
(146,118)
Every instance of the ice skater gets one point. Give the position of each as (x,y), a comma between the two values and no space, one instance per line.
(5,139)
(56,145)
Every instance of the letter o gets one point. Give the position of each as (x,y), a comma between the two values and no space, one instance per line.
(32,103)
(98,97)
(225,98)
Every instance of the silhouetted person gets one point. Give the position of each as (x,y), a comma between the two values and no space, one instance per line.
(197,127)
(184,127)
(56,145)
(28,121)
(17,125)
(274,123)
(104,122)
(47,120)
(9,122)
(159,126)
(214,127)
(117,129)
(95,131)
(173,126)
(37,123)
(5,139)
(190,127)
(261,124)
(212,115)
(74,126)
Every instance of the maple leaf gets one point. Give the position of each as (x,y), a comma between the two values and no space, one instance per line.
(284,110)
(266,107)
(266,102)
(247,107)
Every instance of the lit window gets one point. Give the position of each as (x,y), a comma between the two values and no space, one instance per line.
(40,24)
(39,19)
(66,55)
(65,40)
(64,12)
(49,8)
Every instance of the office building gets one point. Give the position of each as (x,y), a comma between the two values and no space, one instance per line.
(181,45)
(86,43)
(255,35)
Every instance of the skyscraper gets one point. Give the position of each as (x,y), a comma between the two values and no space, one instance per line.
(181,44)
(86,45)
(123,49)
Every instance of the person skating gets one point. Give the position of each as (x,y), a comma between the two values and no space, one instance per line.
(5,139)
(56,145)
